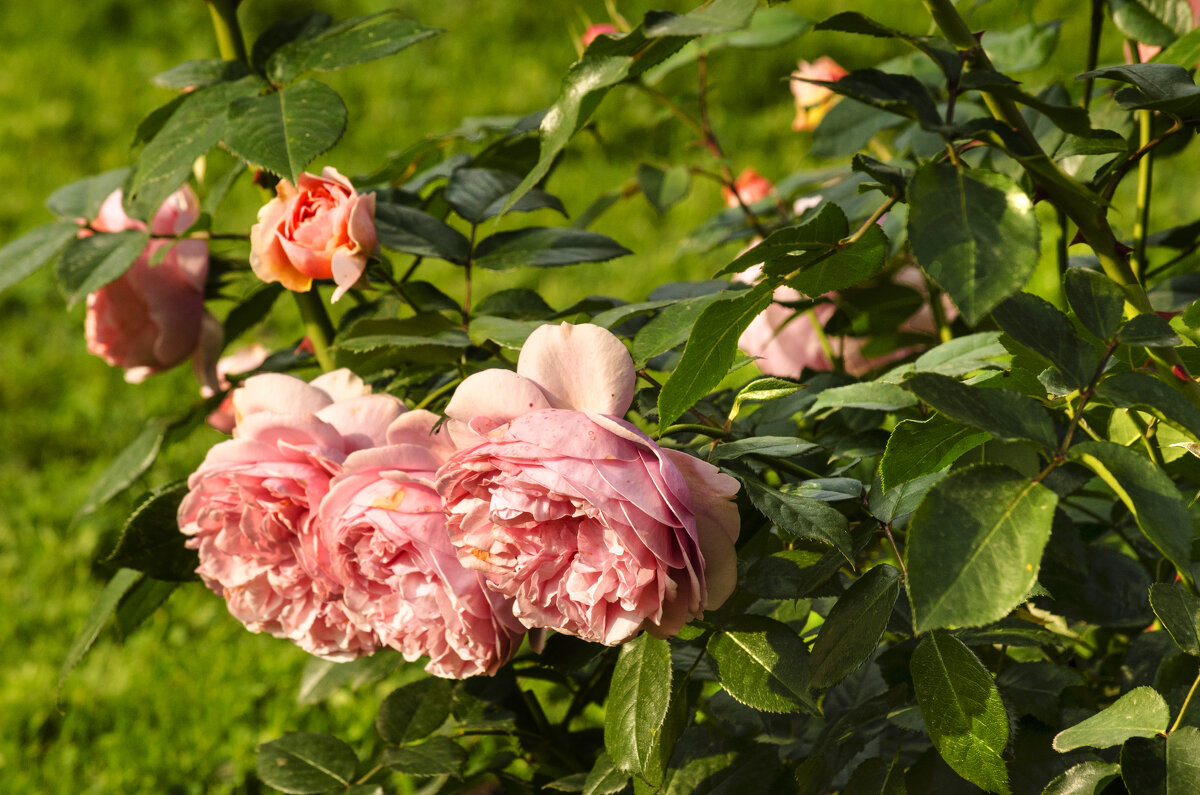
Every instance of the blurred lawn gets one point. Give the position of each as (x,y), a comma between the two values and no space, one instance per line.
(181,705)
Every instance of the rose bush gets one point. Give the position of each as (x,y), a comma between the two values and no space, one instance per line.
(592,528)
(319,228)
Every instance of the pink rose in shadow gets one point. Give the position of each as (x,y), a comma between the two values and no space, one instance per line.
(321,228)
(750,186)
(152,317)
(251,506)
(383,526)
(814,101)
(592,528)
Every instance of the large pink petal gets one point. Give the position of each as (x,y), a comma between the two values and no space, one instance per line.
(496,395)
(341,384)
(582,367)
(279,394)
(363,421)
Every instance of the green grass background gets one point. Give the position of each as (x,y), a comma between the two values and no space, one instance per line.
(181,705)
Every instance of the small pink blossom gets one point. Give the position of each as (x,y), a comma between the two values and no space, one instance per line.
(814,101)
(320,228)
(598,29)
(750,186)
(592,528)
(152,317)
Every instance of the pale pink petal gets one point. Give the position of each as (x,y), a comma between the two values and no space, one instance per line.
(363,421)
(341,384)
(582,367)
(278,394)
(495,395)
(346,269)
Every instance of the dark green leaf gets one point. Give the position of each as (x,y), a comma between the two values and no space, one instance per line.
(200,73)
(413,231)
(1179,613)
(777,446)
(478,194)
(1006,415)
(1183,760)
(604,778)
(516,303)
(918,448)
(876,777)
(97,617)
(453,339)
(306,763)
(826,489)
(848,266)
(903,95)
(938,51)
(673,326)
(901,500)
(974,546)
(1160,86)
(151,542)
(139,603)
(769,27)
(709,352)
(849,127)
(664,188)
(251,311)
(974,232)
(195,127)
(963,355)
(504,331)
(763,389)
(1143,391)
(719,16)
(545,246)
(82,199)
(1097,301)
(894,178)
(285,31)
(638,700)
(854,626)
(350,42)
(1156,22)
(284,130)
(1069,118)
(1034,688)
(801,517)
(32,250)
(1085,778)
(792,247)
(962,710)
(425,297)
(414,711)
(877,395)
(1139,713)
(1041,327)
(763,664)
(1149,495)
(1022,49)
(437,756)
(89,263)
(1098,142)
(1149,330)
(129,465)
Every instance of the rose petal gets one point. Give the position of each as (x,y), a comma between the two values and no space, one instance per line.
(582,367)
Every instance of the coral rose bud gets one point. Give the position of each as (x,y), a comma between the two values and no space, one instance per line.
(386,534)
(814,101)
(750,186)
(321,228)
(587,524)
(599,29)
(152,317)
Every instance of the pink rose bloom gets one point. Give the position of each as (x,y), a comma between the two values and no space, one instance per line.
(814,101)
(386,534)
(592,528)
(599,29)
(750,186)
(243,361)
(250,508)
(318,229)
(152,317)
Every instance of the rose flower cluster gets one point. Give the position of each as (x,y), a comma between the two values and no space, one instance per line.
(345,523)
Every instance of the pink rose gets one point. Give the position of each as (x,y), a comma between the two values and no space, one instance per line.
(250,508)
(152,317)
(383,525)
(814,101)
(320,229)
(750,186)
(243,361)
(599,29)
(592,528)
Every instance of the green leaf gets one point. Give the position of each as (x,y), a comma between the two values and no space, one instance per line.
(129,465)
(1149,330)
(544,247)
(1159,86)
(937,50)
(763,664)
(876,395)
(1184,52)
(801,517)
(151,542)
(1097,301)
(638,700)
(793,247)
(847,266)
(1069,118)
(437,756)
(974,232)
(478,194)
(664,188)
(350,42)
(962,710)
(777,446)
(718,16)
(1022,49)
(1179,613)
(414,231)
(304,763)
(250,311)
(849,127)
(32,250)
(139,603)
(673,326)
(414,711)
(901,500)
(963,355)
(195,126)
(1038,325)
(1183,760)
(1156,22)
(453,339)
(97,617)
(82,199)
(903,95)
(1149,495)
(1085,778)
(1004,414)
(1139,713)
(975,545)
(854,626)
(1034,688)
(89,263)
(604,778)
(284,130)
(827,489)
(200,73)
(1143,391)
(918,448)
(506,332)
(709,352)
(875,777)
(763,389)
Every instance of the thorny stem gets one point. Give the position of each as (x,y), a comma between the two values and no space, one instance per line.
(317,325)
(367,777)
(714,146)
(873,219)
(229,33)
(1135,158)
(1186,703)
(1084,396)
